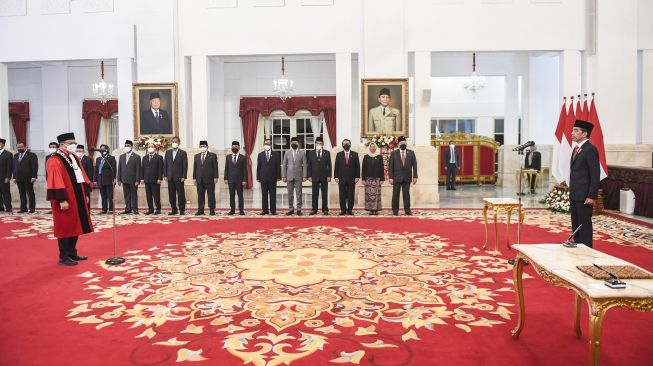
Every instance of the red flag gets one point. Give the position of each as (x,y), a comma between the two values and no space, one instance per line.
(596,138)
(579,110)
(586,111)
(562,120)
(564,150)
(561,145)
(571,119)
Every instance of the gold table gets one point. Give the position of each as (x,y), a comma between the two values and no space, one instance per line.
(557,265)
(526,174)
(496,205)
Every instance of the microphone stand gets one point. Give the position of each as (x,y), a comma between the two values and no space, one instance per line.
(520,193)
(115,260)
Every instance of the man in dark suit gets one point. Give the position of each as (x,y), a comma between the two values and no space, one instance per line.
(26,168)
(347,173)
(584,178)
(235,176)
(155,121)
(402,171)
(129,176)
(6,169)
(533,161)
(205,177)
(267,174)
(87,165)
(151,177)
(105,177)
(451,165)
(175,169)
(319,173)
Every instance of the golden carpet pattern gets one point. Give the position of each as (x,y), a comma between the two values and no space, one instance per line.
(275,296)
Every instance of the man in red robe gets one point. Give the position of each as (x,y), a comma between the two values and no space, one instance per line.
(66,190)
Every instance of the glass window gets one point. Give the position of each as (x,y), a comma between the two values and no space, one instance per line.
(284,128)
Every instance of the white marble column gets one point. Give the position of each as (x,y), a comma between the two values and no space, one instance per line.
(570,74)
(216,118)
(5,130)
(647,97)
(125,68)
(199,99)
(422,130)
(511,119)
(56,118)
(344,102)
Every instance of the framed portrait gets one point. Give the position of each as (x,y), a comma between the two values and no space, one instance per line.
(384,107)
(155,110)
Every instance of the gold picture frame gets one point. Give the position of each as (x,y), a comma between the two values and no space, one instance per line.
(145,122)
(387,117)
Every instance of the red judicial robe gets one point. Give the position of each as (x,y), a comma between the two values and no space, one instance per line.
(62,186)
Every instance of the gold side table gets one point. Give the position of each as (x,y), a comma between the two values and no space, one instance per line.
(501,204)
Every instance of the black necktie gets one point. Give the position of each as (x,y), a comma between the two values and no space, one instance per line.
(156,115)
(319,155)
(268,156)
(384,111)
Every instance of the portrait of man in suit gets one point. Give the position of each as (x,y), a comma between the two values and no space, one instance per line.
(155,112)
(385,107)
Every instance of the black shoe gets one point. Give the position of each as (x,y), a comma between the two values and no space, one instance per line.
(149,212)
(199,213)
(313,213)
(299,213)
(211,212)
(325,213)
(350,213)
(396,213)
(78,257)
(409,213)
(103,213)
(22,211)
(182,213)
(231,213)
(273,213)
(33,211)
(135,212)
(242,213)
(290,213)
(172,213)
(263,213)
(125,212)
(453,188)
(67,262)
(342,213)
(157,212)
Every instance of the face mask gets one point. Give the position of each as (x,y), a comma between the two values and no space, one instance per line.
(52,150)
(21,150)
(318,147)
(150,150)
(79,154)
(234,150)
(267,147)
(71,148)
(202,149)
(451,146)
(403,147)
(128,149)
(347,147)
(175,145)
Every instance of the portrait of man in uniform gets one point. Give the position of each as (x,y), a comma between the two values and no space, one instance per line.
(384,107)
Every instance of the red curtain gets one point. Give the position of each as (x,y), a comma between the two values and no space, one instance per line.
(19,114)
(330,121)
(92,113)
(250,126)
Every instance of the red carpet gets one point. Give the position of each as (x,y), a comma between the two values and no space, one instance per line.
(301,291)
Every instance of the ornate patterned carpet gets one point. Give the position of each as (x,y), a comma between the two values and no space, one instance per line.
(300,291)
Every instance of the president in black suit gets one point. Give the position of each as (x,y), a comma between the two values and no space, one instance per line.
(205,177)
(175,169)
(319,173)
(402,171)
(151,177)
(154,120)
(347,173)
(129,176)
(267,173)
(584,181)
(105,177)
(533,161)
(6,169)
(235,176)
(26,168)
(87,165)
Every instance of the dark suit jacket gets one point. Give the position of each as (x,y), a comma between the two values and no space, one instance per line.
(447,156)
(347,172)
(267,171)
(402,173)
(235,173)
(129,172)
(209,171)
(585,174)
(176,169)
(373,167)
(108,173)
(87,164)
(318,170)
(150,125)
(536,163)
(27,169)
(6,165)
(152,171)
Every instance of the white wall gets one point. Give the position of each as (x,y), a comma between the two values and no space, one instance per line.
(449,98)
(25,85)
(544,101)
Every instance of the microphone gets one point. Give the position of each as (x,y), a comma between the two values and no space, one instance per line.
(614,281)
(569,244)
(524,145)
